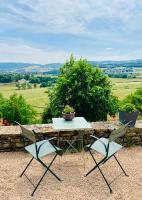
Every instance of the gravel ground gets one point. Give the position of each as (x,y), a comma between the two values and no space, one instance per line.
(74,185)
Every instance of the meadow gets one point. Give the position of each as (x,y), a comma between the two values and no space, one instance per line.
(38,97)
(122,87)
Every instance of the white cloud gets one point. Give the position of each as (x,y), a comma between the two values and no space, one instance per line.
(66,16)
(16,51)
(109,23)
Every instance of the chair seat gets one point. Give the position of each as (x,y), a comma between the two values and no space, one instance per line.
(46,148)
(99,147)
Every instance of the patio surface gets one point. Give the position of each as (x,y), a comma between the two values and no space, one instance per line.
(74,185)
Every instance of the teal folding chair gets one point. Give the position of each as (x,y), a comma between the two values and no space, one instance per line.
(38,150)
(108,148)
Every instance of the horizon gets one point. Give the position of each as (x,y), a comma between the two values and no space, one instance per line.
(48,32)
(139,59)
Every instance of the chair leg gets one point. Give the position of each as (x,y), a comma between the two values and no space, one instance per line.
(47,169)
(120,165)
(98,166)
(39,182)
(93,168)
(26,167)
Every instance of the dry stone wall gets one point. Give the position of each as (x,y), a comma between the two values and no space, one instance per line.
(10,135)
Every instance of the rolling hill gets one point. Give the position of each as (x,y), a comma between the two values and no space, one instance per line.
(32,67)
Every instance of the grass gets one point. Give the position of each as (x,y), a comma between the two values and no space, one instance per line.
(123,87)
(35,96)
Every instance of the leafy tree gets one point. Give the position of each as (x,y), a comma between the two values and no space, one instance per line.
(84,88)
(29,86)
(44,84)
(16,109)
(18,86)
(23,85)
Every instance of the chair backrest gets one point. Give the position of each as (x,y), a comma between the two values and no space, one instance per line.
(118,132)
(28,134)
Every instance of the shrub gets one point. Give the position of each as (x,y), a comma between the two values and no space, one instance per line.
(16,109)
(135,99)
(114,105)
(128,107)
(84,88)
(47,115)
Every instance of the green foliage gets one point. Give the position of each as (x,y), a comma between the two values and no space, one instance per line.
(114,105)
(68,109)
(12,77)
(24,85)
(47,115)
(84,88)
(135,99)
(128,107)
(18,86)
(1,105)
(29,86)
(44,84)
(16,109)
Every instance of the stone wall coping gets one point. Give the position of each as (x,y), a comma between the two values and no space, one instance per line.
(48,128)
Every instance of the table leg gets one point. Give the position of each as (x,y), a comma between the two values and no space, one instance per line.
(58,144)
(81,138)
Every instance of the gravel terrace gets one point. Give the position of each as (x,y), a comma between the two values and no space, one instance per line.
(74,185)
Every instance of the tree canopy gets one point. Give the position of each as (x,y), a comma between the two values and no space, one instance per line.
(85,88)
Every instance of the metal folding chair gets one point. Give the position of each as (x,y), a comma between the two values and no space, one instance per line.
(108,148)
(71,144)
(38,150)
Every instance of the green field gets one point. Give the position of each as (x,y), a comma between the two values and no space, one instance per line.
(38,97)
(123,87)
(35,97)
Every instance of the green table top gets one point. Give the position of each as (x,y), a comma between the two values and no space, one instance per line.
(76,124)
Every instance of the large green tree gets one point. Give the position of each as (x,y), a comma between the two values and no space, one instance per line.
(83,87)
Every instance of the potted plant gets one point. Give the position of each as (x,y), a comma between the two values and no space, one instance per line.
(68,113)
(128,113)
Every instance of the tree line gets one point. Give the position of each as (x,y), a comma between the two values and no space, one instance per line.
(44,81)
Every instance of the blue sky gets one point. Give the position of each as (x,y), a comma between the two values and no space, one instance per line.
(45,31)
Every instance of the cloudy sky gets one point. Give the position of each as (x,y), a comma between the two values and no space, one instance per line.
(45,31)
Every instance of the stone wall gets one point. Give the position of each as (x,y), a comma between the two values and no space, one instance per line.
(10,135)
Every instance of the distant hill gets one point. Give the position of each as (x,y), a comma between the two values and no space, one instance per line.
(54,67)
(126,63)
(28,67)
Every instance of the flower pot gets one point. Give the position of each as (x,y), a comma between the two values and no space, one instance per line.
(6,122)
(68,116)
(125,117)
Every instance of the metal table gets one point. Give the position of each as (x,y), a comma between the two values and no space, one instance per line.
(78,123)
